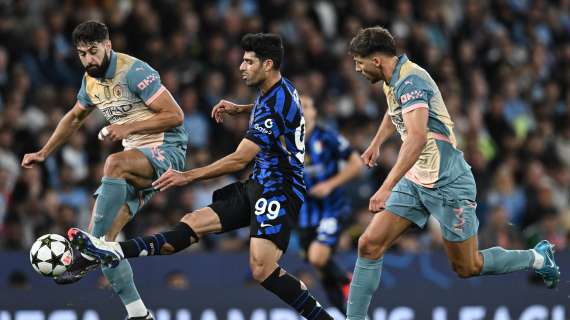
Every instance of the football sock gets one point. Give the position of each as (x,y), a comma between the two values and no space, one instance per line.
(179,238)
(333,278)
(365,281)
(121,279)
(111,198)
(295,293)
(497,260)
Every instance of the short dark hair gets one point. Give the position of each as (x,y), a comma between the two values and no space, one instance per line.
(89,32)
(265,45)
(371,40)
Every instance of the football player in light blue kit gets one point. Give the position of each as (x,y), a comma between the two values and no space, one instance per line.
(430,177)
(144,115)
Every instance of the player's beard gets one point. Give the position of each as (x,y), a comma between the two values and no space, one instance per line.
(99,71)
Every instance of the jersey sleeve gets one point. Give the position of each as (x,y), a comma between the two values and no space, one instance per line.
(82,96)
(413,93)
(264,127)
(144,81)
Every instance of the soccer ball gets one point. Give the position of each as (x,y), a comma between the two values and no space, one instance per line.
(51,255)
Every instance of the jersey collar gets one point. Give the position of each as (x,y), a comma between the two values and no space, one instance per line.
(110,73)
(270,91)
(396,74)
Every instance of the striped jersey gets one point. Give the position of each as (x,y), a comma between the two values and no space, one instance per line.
(277,126)
(326,152)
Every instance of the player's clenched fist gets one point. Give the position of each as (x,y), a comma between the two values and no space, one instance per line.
(32,158)
(378,200)
(224,106)
(370,155)
(115,132)
(171,178)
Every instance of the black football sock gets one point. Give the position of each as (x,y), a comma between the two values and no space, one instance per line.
(294,293)
(177,239)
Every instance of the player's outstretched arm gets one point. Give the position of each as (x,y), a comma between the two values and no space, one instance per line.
(228,107)
(386,129)
(70,122)
(238,160)
(350,171)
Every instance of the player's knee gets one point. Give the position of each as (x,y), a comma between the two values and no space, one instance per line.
(167,249)
(193,220)
(260,270)
(317,261)
(368,248)
(114,166)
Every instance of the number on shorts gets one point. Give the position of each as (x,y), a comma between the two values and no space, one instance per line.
(272,208)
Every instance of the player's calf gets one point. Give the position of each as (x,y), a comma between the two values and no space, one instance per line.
(295,293)
(467,270)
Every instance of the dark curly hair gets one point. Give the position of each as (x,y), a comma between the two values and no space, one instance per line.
(267,46)
(371,40)
(89,32)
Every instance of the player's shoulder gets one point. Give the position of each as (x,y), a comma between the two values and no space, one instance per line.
(88,83)
(132,64)
(283,101)
(412,75)
(327,134)
(413,85)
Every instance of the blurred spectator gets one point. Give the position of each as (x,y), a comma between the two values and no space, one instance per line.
(549,227)
(498,231)
(507,195)
(177,280)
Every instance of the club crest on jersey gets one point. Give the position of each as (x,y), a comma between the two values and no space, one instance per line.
(117,91)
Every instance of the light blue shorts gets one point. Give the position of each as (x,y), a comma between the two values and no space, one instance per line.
(161,158)
(453,205)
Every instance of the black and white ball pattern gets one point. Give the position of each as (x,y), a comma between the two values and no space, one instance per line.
(51,255)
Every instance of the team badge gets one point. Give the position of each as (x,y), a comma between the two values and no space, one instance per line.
(117,91)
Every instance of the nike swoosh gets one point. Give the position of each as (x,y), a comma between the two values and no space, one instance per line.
(263,225)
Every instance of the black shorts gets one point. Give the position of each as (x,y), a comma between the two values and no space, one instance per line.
(327,232)
(270,214)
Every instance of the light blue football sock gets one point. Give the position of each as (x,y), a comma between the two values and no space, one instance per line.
(497,260)
(112,197)
(365,281)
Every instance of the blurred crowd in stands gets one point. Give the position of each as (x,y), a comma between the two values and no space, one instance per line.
(502,66)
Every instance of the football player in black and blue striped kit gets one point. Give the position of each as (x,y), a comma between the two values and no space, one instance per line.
(268,202)
(330,162)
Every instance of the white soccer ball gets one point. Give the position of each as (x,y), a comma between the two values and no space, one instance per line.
(51,255)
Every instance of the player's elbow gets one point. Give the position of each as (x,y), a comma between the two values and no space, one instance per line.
(178,117)
(419,138)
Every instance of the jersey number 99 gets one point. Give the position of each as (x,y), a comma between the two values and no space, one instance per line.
(271,207)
